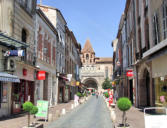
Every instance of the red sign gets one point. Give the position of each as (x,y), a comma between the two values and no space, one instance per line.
(41,75)
(129,73)
(24,72)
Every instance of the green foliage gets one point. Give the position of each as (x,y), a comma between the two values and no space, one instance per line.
(124,104)
(106,94)
(107,84)
(79,94)
(34,110)
(27,106)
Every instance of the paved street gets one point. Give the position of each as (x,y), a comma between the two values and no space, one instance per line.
(92,114)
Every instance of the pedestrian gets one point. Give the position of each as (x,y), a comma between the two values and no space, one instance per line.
(115,96)
(76,98)
(97,94)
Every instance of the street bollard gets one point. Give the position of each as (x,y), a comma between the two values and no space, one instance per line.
(72,106)
(50,117)
(63,111)
(113,115)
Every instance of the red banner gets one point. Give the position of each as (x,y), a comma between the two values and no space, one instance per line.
(41,75)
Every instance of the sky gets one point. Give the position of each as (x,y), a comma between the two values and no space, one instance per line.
(96,20)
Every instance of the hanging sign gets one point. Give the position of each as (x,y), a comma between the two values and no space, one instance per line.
(41,75)
(129,73)
(77,83)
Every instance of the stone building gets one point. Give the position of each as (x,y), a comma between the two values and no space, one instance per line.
(58,21)
(72,63)
(145,26)
(17,34)
(46,41)
(94,69)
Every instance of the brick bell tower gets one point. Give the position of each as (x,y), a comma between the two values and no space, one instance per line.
(87,54)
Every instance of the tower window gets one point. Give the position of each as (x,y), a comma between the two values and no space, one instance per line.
(87,56)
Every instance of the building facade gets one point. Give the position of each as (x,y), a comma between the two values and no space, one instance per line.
(73,63)
(46,41)
(94,69)
(17,41)
(145,32)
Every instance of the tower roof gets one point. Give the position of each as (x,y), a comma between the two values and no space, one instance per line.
(87,47)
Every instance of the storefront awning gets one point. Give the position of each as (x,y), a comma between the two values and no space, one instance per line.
(8,77)
(11,42)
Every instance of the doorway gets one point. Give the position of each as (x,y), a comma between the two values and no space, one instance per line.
(131,90)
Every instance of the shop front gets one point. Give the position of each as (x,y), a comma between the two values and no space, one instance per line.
(23,91)
(160,81)
(6,81)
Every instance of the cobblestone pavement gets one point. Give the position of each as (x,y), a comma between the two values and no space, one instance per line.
(92,114)
(20,120)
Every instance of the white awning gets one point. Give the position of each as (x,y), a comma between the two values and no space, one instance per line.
(8,77)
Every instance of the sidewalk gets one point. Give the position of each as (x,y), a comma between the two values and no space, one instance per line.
(20,121)
(135,117)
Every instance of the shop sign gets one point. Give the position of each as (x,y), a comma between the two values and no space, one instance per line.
(113,83)
(129,73)
(41,75)
(24,72)
(77,83)
(42,109)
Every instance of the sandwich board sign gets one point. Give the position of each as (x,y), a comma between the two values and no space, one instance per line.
(42,109)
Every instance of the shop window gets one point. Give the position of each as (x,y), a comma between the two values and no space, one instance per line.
(161,92)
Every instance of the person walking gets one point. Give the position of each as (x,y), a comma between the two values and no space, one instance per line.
(97,94)
(115,96)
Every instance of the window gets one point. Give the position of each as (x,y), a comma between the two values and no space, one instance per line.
(106,72)
(29,4)
(164,20)
(87,56)
(139,42)
(155,29)
(24,39)
(24,36)
(0,93)
(146,3)
(147,42)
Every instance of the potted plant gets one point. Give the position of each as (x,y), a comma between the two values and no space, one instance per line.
(124,104)
(34,111)
(28,106)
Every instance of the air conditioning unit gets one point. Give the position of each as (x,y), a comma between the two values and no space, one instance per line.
(10,64)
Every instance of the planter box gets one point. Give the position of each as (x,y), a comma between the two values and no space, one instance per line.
(121,126)
(37,125)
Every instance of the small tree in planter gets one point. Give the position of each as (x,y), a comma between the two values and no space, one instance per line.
(28,106)
(34,111)
(124,104)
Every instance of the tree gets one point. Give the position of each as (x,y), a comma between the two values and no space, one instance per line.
(107,84)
